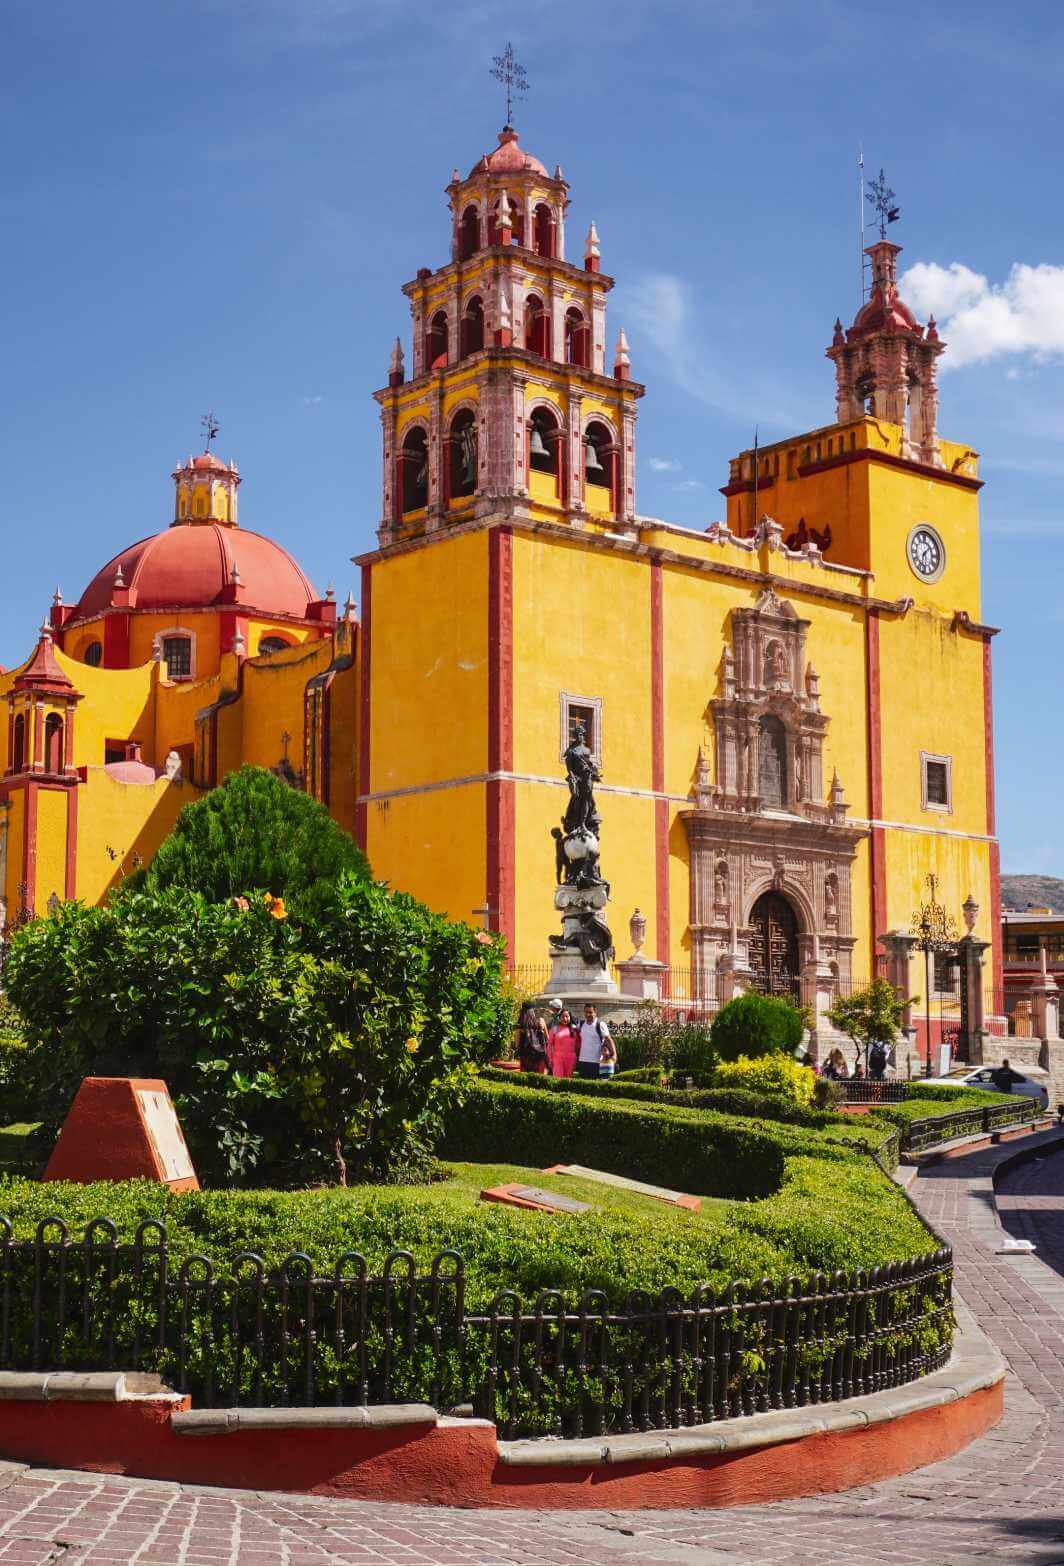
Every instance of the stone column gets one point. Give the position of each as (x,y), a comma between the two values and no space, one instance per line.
(626,479)
(1045,1004)
(898,946)
(575,465)
(734,974)
(818,993)
(971,952)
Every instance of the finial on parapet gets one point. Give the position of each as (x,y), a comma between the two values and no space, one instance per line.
(506,220)
(592,250)
(622,359)
(396,373)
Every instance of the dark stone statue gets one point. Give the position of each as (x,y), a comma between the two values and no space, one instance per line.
(576,861)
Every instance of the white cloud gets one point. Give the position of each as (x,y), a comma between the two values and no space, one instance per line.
(313,402)
(665,464)
(686,485)
(981,320)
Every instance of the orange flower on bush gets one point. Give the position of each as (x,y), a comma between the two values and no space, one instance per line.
(484,938)
(241,903)
(411,1045)
(275,905)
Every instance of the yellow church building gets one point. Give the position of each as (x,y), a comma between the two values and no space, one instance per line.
(791,710)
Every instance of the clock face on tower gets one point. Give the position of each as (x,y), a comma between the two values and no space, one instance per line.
(926,553)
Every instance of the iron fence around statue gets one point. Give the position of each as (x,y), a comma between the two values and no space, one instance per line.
(249,1336)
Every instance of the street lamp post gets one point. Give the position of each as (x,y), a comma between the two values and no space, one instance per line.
(935,931)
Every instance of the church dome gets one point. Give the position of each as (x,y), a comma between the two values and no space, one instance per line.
(190,564)
(508,158)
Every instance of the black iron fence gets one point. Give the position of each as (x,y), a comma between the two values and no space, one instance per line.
(867,1090)
(977,1121)
(248,1335)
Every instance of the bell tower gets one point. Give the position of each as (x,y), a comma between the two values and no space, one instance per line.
(885,362)
(514,406)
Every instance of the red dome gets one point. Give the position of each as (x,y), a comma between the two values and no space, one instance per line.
(188,565)
(208,459)
(880,313)
(509,158)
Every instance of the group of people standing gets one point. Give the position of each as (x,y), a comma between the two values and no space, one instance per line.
(565,1048)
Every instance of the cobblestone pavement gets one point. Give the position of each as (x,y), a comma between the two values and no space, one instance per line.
(1002,1500)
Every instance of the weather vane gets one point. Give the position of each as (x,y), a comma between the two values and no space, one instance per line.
(883,199)
(513,78)
(209,425)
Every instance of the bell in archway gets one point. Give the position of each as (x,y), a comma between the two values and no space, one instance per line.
(537,446)
(592,466)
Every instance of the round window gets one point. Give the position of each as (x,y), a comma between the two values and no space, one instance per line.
(926,552)
(94,654)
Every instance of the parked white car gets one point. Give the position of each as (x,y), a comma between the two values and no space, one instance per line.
(983,1077)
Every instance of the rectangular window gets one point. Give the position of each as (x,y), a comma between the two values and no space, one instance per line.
(581,712)
(936,782)
(113,750)
(177,653)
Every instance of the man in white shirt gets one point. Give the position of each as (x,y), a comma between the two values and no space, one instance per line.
(593,1034)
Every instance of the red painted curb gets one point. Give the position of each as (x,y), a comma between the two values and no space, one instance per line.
(457,1463)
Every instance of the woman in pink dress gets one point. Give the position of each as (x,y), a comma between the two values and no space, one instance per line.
(562,1046)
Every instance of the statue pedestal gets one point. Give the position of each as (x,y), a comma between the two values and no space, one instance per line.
(570,972)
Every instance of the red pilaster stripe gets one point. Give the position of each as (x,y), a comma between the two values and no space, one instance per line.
(991,827)
(71,889)
(657,746)
(500,793)
(878,841)
(29,849)
(365,687)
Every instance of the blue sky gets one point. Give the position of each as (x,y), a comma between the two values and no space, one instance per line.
(212,203)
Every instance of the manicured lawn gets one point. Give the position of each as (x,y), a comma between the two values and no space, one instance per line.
(468,1180)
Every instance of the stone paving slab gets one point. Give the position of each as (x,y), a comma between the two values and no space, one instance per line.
(1000,1501)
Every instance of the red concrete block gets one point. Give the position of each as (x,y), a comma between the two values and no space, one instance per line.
(122,1128)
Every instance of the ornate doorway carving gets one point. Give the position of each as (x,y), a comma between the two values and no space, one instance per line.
(774,955)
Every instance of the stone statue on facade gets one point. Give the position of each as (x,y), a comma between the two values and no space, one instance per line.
(581,894)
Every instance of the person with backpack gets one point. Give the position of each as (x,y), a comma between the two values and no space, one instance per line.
(593,1036)
(878,1059)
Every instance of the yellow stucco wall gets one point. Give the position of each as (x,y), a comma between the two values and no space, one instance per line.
(429,710)
(432,845)
(52,804)
(116,822)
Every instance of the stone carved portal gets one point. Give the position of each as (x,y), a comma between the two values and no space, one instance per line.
(771,850)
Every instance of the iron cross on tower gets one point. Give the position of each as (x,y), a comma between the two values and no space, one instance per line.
(209,425)
(506,70)
(883,199)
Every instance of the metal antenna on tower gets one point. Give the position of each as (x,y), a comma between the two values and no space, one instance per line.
(209,426)
(506,70)
(862,259)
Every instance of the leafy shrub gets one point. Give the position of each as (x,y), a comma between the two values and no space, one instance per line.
(292,1048)
(777,1076)
(253,832)
(654,1040)
(753,1025)
(654,1075)
(17,1099)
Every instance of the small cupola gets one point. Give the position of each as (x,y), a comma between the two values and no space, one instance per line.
(205,490)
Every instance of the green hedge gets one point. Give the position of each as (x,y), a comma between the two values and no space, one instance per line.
(721,1101)
(689,1149)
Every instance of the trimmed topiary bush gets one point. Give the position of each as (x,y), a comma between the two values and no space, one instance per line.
(687,1149)
(753,1025)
